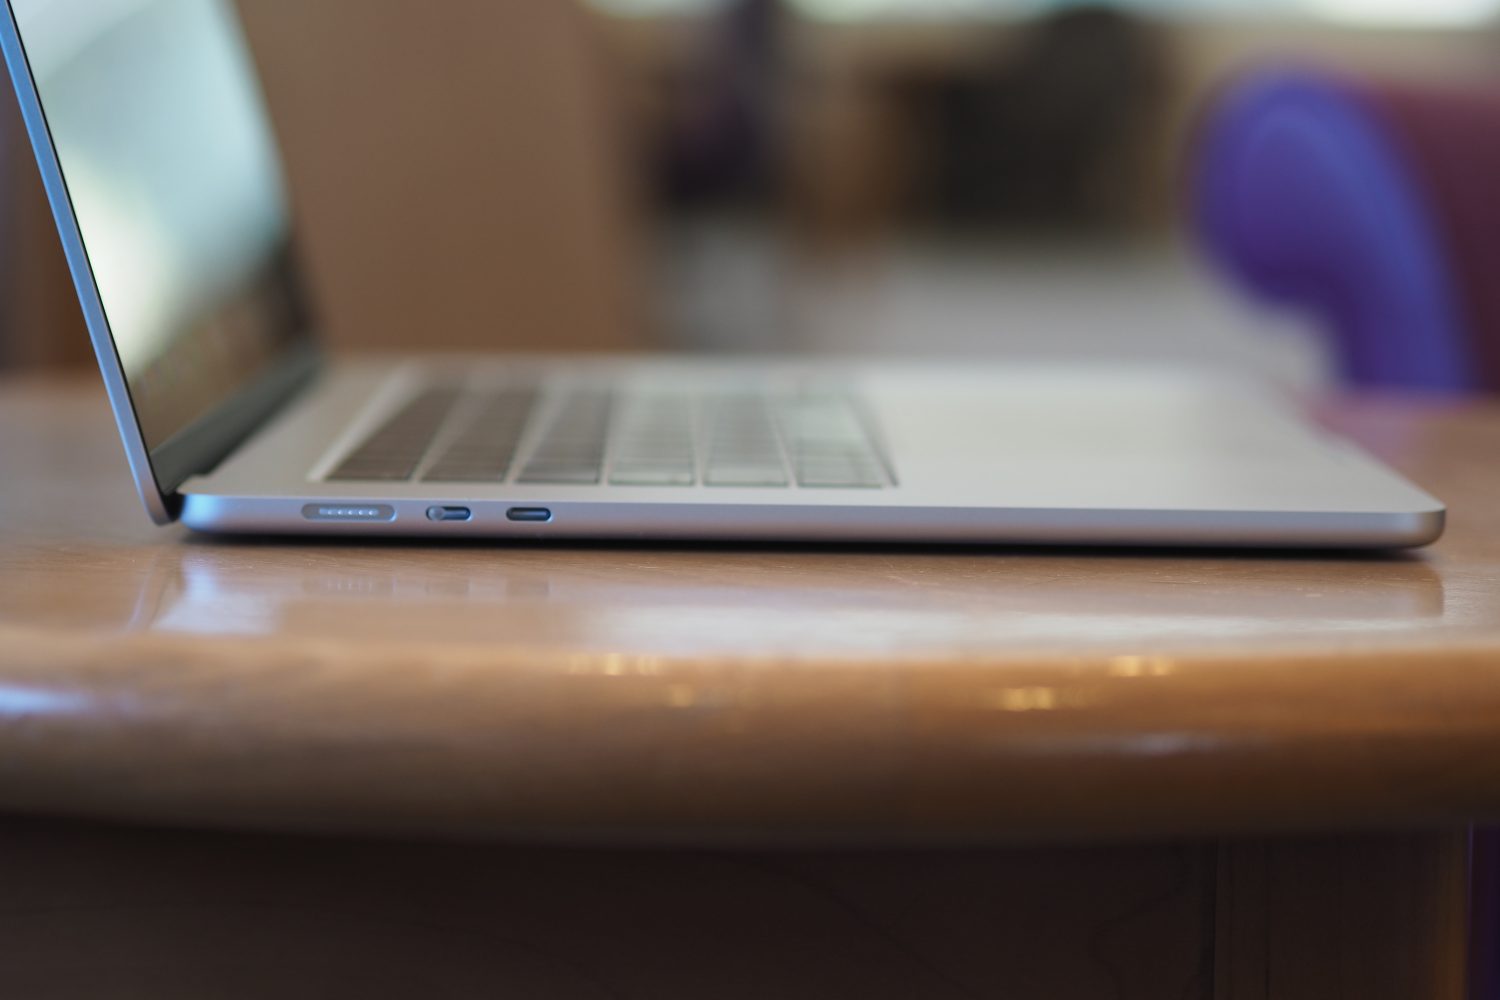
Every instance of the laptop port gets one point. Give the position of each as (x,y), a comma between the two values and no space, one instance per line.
(449,514)
(530,515)
(351,513)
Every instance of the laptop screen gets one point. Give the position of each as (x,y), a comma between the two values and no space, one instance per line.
(172,171)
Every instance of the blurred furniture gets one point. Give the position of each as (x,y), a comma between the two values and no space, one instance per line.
(850,127)
(734,772)
(1374,207)
(713,139)
(1061,132)
(459,182)
(860,138)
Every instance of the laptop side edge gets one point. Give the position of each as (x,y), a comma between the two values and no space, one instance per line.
(199,446)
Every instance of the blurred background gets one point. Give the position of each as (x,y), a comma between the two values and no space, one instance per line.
(982,178)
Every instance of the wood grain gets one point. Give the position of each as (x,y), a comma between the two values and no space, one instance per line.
(703,695)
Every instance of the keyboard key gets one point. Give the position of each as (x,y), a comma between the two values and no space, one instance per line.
(653,441)
(571,451)
(484,450)
(652,474)
(828,444)
(745,474)
(393,452)
(744,448)
(825,474)
(561,473)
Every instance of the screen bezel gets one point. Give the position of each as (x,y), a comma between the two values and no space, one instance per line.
(206,441)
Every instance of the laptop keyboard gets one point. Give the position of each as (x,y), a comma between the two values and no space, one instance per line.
(590,435)
(570,451)
(394,451)
(485,445)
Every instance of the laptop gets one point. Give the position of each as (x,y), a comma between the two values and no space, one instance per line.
(164,177)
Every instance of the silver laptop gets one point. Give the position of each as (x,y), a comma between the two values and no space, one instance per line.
(164,177)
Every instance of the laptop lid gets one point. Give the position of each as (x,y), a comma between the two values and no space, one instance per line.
(165,182)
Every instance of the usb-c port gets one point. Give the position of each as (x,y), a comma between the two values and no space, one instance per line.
(530,515)
(449,514)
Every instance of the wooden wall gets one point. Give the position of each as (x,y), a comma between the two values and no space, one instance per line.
(457,178)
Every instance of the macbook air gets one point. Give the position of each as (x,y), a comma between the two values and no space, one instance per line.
(164,176)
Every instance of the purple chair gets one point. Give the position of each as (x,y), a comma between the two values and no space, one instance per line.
(1376,208)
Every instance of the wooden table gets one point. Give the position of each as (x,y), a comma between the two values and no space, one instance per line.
(310,769)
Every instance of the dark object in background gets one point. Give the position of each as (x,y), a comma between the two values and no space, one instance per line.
(1060,132)
(718,144)
(1484,913)
(1371,205)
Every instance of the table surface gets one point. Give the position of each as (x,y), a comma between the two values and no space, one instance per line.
(703,694)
